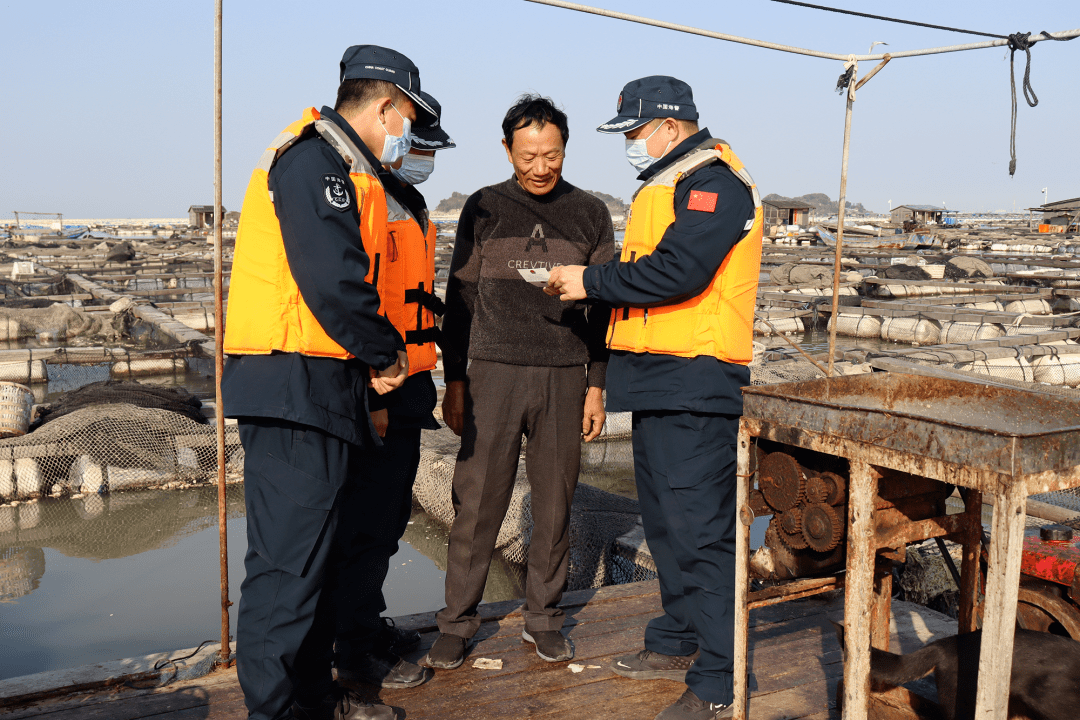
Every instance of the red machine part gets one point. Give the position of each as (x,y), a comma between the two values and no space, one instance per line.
(1054,561)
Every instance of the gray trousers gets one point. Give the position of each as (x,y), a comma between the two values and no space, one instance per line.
(502,402)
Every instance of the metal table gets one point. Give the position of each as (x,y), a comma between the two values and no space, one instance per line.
(1003,442)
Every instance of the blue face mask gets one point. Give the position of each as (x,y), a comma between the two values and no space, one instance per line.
(396,147)
(414,169)
(637,153)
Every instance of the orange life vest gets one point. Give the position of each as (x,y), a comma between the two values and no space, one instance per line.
(266,311)
(718,322)
(403,269)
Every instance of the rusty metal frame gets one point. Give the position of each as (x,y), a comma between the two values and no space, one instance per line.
(1008,465)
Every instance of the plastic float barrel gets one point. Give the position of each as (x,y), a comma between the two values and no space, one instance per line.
(1030,307)
(166,366)
(1057,369)
(1012,368)
(783,326)
(958,332)
(7,476)
(23,371)
(910,331)
(29,480)
(861,326)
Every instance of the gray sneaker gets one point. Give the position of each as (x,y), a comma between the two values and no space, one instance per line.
(551,645)
(649,665)
(691,707)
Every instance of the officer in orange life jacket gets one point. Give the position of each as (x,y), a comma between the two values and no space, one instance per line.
(682,296)
(403,268)
(305,339)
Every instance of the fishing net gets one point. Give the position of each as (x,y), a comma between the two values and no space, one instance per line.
(782,372)
(112,392)
(86,447)
(58,321)
(597,518)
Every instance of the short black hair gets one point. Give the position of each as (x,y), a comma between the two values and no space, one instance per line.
(356,94)
(531,108)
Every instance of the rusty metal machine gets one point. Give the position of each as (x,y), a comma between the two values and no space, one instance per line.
(806,494)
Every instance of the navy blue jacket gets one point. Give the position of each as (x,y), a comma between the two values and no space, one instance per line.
(327,260)
(681,267)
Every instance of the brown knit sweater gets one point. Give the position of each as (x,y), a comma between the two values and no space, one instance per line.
(492,313)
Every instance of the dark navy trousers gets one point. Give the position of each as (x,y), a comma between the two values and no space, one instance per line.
(684,464)
(392,469)
(315,562)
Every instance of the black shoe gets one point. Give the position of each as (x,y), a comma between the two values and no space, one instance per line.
(551,645)
(395,639)
(382,668)
(447,653)
(649,665)
(344,706)
(691,707)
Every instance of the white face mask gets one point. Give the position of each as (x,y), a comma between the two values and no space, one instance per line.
(637,154)
(414,169)
(395,147)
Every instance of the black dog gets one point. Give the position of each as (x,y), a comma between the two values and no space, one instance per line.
(1045,682)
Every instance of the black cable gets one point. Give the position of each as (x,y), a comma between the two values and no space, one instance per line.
(889,19)
(160,664)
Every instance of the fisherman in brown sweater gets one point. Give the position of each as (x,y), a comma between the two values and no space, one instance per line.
(537,368)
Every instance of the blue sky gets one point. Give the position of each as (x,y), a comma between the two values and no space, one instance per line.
(108,107)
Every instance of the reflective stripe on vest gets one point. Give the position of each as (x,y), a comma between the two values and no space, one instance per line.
(718,322)
(266,311)
(403,268)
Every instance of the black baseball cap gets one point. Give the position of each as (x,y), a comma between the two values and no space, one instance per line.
(379,63)
(656,96)
(432,136)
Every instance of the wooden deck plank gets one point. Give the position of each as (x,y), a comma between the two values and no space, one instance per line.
(795,663)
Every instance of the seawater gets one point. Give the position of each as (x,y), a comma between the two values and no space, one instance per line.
(105,577)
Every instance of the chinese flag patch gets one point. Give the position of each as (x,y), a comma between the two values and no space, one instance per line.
(703,201)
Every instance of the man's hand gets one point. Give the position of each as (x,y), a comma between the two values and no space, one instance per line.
(565,281)
(453,406)
(381,420)
(392,377)
(593,421)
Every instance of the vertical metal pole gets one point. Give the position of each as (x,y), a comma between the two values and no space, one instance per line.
(840,224)
(219,346)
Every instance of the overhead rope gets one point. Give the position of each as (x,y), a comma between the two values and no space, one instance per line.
(1021,41)
(889,19)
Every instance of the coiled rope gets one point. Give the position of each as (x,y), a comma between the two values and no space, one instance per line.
(1021,41)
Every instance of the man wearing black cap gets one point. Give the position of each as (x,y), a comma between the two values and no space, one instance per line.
(405,280)
(683,297)
(305,338)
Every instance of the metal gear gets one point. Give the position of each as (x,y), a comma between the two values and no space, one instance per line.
(791,521)
(781,480)
(795,541)
(822,526)
(817,489)
(837,488)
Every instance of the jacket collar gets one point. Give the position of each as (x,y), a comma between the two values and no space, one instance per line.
(687,146)
(332,115)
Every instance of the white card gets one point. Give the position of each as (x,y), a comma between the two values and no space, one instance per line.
(535,276)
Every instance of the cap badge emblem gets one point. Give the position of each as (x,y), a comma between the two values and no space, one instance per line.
(619,108)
